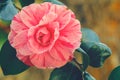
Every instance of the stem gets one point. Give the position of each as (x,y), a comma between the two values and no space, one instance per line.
(85,61)
(85,58)
(83,75)
(78,64)
(18,8)
(81,51)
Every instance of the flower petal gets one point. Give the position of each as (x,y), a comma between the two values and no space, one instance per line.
(20,39)
(24,50)
(45,60)
(54,30)
(38,60)
(50,62)
(17,24)
(64,18)
(48,18)
(72,32)
(11,36)
(24,59)
(33,44)
(38,11)
(61,51)
(27,18)
(58,9)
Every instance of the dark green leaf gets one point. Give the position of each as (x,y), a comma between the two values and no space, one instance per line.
(89,35)
(2,1)
(86,45)
(3,37)
(98,53)
(9,62)
(85,58)
(67,72)
(7,11)
(115,74)
(89,38)
(54,2)
(87,76)
(26,2)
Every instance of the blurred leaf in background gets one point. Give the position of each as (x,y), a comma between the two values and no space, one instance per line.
(3,37)
(7,11)
(115,74)
(25,2)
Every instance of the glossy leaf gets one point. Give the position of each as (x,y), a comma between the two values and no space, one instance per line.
(26,2)
(87,76)
(98,53)
(89,35)
(9,62)
(85,59)
(3,37)
(115,74)
(87,45)
(54,2)
(89,38)
(67,72)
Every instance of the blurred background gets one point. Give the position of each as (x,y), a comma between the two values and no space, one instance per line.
(102,16)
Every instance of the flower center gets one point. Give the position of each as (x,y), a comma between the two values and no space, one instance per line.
(43,36)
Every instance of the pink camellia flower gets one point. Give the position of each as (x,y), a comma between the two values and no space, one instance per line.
(45,35)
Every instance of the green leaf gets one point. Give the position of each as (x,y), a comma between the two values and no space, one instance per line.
(115,74)
(85,58)
(26,2)
(54,2)
(3,37)
(89,35)
(87,76)
(87,45)
(9,62)
(67,72)
(7,11)
(98,53)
